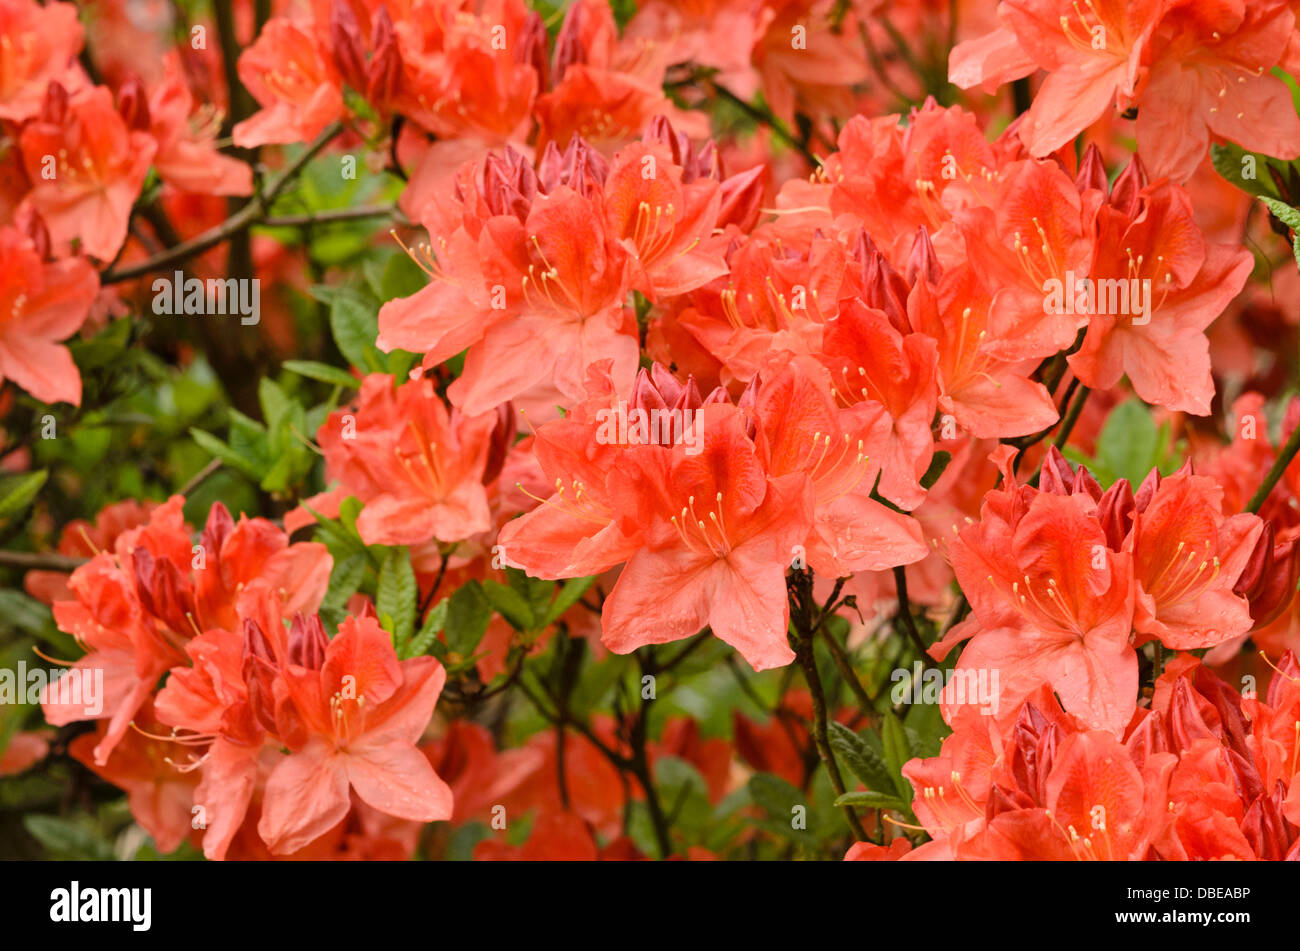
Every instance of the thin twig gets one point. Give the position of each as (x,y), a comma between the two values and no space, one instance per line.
(767,118)
(801,615)
(905,614)
(331,215)
(640,759)
(199,477)
(1275,472)
(41,561)
(686,651)
(241,220)
(865,701)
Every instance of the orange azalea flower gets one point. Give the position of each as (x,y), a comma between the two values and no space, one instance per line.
(1187,558)
(187,157)
(1045,789)
(986,395)
(1051,601)
(470,71)
(528,275)
(86,539)
(1096,56)
(873,361)
(1149,244)
(418,468)
(577,531)
(665,216)
(558,837)
(137,607)
(41,304)
(98,166)
(719,535)
(41,43)
(603,90)
(1036,235)
(351,715)
(25,749)
(290,73)
(692,512)
(801,429)
(1211,77)
(159,794)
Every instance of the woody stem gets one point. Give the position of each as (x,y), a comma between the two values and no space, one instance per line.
(331,215)
(1275,472)
(41,561)
(640,761)
(865,701)
(803,621)
(765,117)
(247,216)
(905,615)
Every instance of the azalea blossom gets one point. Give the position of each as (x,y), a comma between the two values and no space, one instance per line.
(86,168)
(684,430)
(44,303)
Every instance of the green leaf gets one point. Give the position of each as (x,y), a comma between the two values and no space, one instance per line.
(570,592)
(425,639)
(1129,444)
(937,465)
(864,762)
(775,796)
(685,797)
(871,800)
(397,593)
(67,839)
(1249,171)
(355,328)
(402,277)
(227,454)
(349,510)
(1285,213)
(468,614)
(537,592)
(924,726)
(345,579)
(336,535)
(23,612)
(104,348)
(897,752)
(1291,218)
(398,363)
(276,404)
(248,439)
(322,372)
(510,604)
(17,492)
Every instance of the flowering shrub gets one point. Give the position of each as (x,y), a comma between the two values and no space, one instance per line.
(733,429)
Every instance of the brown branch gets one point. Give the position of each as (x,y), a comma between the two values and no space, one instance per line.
(199,477)
(41,561)
(767,118)
(801,616)
(332,215)
(866,702)
(247,216)
(1275,472)
(905,615)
